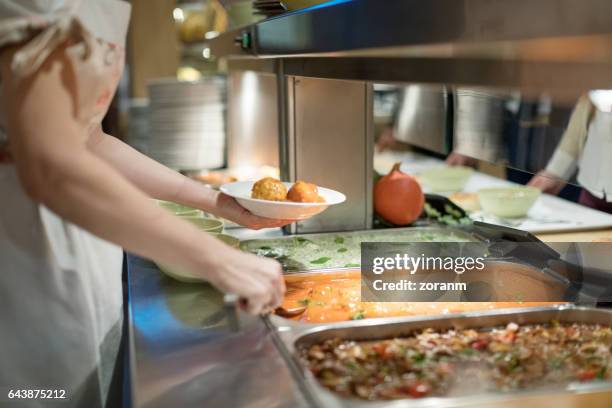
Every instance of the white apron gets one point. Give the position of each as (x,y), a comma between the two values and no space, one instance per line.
(595,165)
(60,287)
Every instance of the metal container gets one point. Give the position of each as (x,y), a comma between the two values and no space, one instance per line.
(500,275)
(414,234)
(294,337)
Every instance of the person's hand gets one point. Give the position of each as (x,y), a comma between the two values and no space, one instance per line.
(228,208)
(386,141)
(547,183)
(259,281)
(458,159)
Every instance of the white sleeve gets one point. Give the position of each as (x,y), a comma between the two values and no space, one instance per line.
(562,165)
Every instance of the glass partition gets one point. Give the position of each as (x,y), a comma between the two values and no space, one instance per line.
(458,141)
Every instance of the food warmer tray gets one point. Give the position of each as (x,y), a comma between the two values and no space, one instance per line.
(327,246)
(476,232)
(289,337)
(502,243)
(540,282)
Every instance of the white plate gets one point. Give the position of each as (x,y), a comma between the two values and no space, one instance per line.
(285,210)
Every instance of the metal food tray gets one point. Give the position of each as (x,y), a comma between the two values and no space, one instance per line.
(280,321)
(290,337)
(375,235)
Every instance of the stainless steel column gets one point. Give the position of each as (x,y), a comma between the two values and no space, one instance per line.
(252,119)
(330,142)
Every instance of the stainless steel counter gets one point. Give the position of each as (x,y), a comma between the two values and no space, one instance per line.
(183,353)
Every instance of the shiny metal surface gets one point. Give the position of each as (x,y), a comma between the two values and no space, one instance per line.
(183,352)
(564,80)
(560,46)
(252,134)
(592,394)
(332,147)
(423,117)
(456,232)
(417,26)
(479,124)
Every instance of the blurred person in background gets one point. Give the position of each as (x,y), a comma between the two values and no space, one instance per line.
(72,196)
(586,147)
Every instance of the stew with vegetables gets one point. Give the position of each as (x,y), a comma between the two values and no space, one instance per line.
(334,297)
(456,362)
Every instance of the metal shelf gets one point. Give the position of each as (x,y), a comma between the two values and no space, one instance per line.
(346,26)
(482,42)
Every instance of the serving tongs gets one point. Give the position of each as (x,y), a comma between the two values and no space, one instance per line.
(233,306)
(506,242)
(444,205)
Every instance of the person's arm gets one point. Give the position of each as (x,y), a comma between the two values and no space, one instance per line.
(57,170)
(458,159)
(163,183)
(564,161)
(565,158)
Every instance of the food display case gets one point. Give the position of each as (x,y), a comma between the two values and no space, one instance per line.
(190,344)
(320,64)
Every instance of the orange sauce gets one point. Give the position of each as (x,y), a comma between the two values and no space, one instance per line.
(336,297)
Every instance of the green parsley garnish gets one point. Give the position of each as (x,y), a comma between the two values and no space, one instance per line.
(601,374)
(418,357)
(304,302)
(555,363)
(468,351)
(351,365)
(358,316)
(302,240)
(321,260)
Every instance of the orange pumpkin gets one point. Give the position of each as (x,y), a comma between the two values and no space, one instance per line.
(398,197)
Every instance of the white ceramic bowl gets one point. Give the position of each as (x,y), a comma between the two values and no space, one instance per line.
(508,202)
(284,210)
(178,209)
(446,178)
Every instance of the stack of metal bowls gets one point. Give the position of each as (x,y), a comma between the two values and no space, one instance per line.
(187,123)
